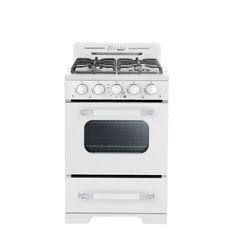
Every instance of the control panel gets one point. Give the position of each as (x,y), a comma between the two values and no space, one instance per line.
(116,90)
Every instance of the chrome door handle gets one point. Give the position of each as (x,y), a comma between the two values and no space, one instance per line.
(115,196)
(116,112)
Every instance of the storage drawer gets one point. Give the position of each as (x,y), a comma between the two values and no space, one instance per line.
(116,195)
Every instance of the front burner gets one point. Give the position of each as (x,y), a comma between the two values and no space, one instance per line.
(89,66)
(139,66)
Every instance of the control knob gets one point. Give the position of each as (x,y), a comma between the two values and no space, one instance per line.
(116,89)
(134,89)
(151,89)
(81,89)
(98,89)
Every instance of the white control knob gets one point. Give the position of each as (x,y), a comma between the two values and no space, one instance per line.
(98,89)
(151,89)
(81,89)
(116,89)
(134,89)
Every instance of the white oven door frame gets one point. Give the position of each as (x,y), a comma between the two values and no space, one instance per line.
(151,162)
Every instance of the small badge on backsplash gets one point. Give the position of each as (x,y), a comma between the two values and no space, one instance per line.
(116,48)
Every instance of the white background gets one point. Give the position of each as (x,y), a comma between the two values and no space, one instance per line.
(198,51)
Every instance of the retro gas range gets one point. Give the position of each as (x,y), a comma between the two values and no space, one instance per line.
(116,105)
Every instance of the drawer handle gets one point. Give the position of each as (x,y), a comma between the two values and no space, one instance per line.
(115,196)
(116,112)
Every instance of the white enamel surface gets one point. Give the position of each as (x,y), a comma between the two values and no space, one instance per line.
(144,197)
(153,161)
(117,218)
(124,195)
(148,50)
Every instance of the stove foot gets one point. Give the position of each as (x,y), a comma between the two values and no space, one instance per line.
(153,218)
(77,218)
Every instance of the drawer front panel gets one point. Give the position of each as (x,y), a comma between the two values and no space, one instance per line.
(116,195)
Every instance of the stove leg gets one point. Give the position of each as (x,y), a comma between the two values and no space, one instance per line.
(77,218)
(154,218)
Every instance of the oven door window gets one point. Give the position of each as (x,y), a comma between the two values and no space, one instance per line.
(116,136)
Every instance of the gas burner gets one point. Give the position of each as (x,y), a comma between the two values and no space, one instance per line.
(139,66)
(90,66)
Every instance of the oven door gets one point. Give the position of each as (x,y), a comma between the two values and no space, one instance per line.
(116,138)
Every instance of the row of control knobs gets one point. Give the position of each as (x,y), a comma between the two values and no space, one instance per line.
(116,89)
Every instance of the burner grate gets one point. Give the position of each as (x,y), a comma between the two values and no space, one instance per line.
(121,66)
(88,66)
(139,66)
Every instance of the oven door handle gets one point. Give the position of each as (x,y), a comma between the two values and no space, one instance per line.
(116,112)
(116,196)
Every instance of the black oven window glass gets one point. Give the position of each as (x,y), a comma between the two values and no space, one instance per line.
(116,136)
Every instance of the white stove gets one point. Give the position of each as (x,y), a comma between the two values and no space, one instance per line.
(116,104)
